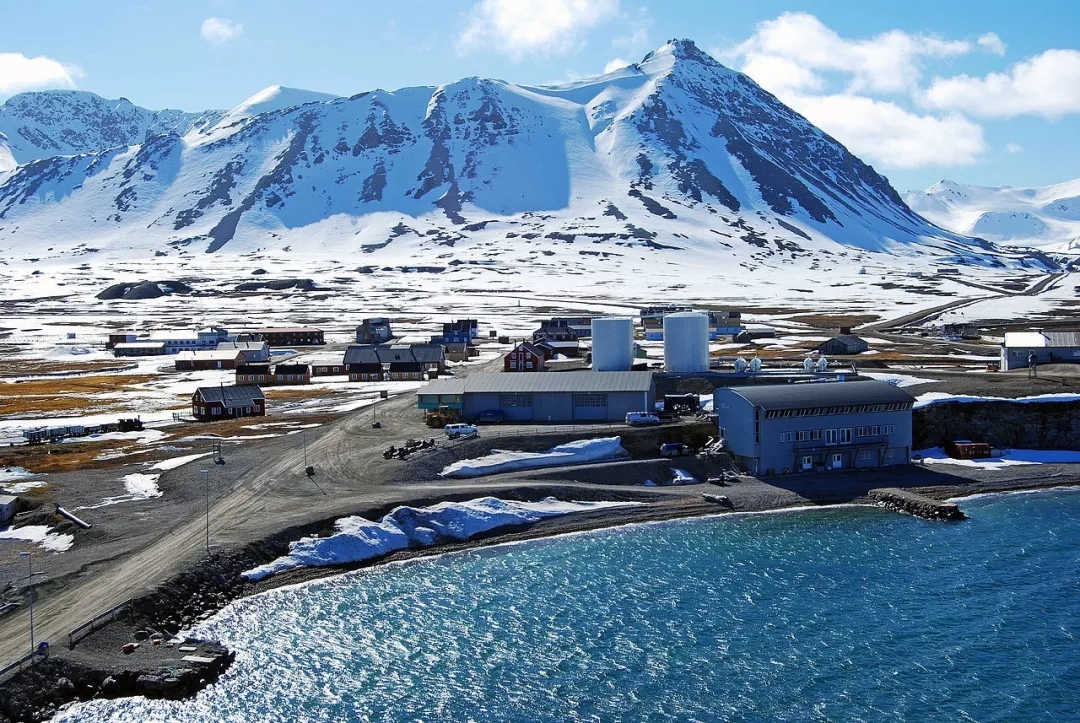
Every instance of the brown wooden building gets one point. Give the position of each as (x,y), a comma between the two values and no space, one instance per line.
(210,404)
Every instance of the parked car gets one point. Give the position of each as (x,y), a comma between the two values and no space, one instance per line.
(492,416)
(639,419)
(674,449)
(453,431)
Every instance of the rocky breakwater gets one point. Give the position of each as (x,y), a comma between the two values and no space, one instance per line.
(899,500)
(154,668)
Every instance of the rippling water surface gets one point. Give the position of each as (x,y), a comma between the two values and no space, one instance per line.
(841,614)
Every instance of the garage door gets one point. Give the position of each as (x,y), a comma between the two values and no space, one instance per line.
(590,407)
(517,407)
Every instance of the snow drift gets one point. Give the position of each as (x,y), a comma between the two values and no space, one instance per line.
(359,539)
(500,460)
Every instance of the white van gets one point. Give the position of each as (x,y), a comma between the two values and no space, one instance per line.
(640,419)
(453,431)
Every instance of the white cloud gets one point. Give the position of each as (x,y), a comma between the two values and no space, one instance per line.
(523,27)
(780,75)
(890,62)
(219,31)
(1047,85)
(991,42)
(884,131)
(1013,148)
(615,64)
(19,73)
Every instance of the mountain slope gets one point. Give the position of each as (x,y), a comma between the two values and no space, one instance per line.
(66,122)
(674,152)
(1047,217)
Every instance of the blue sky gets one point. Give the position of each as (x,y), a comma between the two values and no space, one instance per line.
(978,92)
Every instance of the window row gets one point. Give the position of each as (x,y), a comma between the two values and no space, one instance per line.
(848,409)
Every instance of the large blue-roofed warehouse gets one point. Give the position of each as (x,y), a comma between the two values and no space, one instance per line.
(556,398)
(785,428)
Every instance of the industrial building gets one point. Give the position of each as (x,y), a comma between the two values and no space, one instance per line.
(784,428)
(1048,347)
(544,398)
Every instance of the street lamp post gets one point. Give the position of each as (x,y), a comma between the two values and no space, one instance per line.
(206,477)
(30,578)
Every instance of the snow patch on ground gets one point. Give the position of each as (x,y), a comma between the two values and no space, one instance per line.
(679,477)
(1010,458)
(499,460)
(900,380)
(359,539)
(935,397)
(41,535)
(167,464)
(142,486)
(16,480)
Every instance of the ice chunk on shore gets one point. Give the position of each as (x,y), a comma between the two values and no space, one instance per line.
(359,539)
(499,460)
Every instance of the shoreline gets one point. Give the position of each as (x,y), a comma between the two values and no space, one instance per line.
(214,583)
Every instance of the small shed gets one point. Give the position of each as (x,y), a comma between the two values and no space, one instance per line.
(9,505)
(966,449)
(843,344)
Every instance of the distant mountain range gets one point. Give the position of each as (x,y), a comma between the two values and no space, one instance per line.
(1047,217)
(675,151)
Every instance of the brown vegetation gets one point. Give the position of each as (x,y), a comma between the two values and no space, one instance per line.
(65,394)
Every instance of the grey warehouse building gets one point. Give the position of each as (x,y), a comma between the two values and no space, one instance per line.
(784,428)
(556,398)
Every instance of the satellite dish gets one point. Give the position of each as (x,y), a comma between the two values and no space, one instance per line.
(822,364)
(755,365)
(740,365)
(808,364)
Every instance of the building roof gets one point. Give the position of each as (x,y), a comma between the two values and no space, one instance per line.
(8,499)
(209,355)
(238,394)
(243,345)
(257,368)
(391,353)
(821,394)
(529,347)
(1042,339)
(554,345)
(848,340)
(174,335)
(291,369)
(574,382)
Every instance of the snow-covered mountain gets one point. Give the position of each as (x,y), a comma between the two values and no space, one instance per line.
(674,152)
(69,122)
(1047,217)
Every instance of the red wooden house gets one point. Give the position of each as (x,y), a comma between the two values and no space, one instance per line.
(526,357)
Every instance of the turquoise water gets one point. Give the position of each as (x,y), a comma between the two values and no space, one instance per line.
(823,615)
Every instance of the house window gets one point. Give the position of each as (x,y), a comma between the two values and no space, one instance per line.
(837,461)
(257,408)
(865,454)
(845,436)
(280,377)
(892,429)
(783,437)
(247,410)
(815,435)
(875,430)
(335,369)
(529,364)
(215,411)
(290,377)
(800,436)
(807,462)
(830,436)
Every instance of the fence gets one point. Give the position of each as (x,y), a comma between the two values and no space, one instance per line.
(17,666)
(92,624)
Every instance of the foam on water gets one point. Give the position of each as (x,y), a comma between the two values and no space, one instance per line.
(827,614)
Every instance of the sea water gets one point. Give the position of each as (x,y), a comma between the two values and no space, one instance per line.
(850,614)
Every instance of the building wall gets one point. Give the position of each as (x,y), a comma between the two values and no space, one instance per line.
(558,407)
(1017,357)
(204,411)
(779,445)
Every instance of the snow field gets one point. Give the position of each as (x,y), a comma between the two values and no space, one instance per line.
(499,461)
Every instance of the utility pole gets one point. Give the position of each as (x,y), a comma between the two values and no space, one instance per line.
(30,578)
(206,477)
(303,434)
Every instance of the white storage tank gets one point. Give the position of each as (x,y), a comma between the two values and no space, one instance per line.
(612,345)
(686,342)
